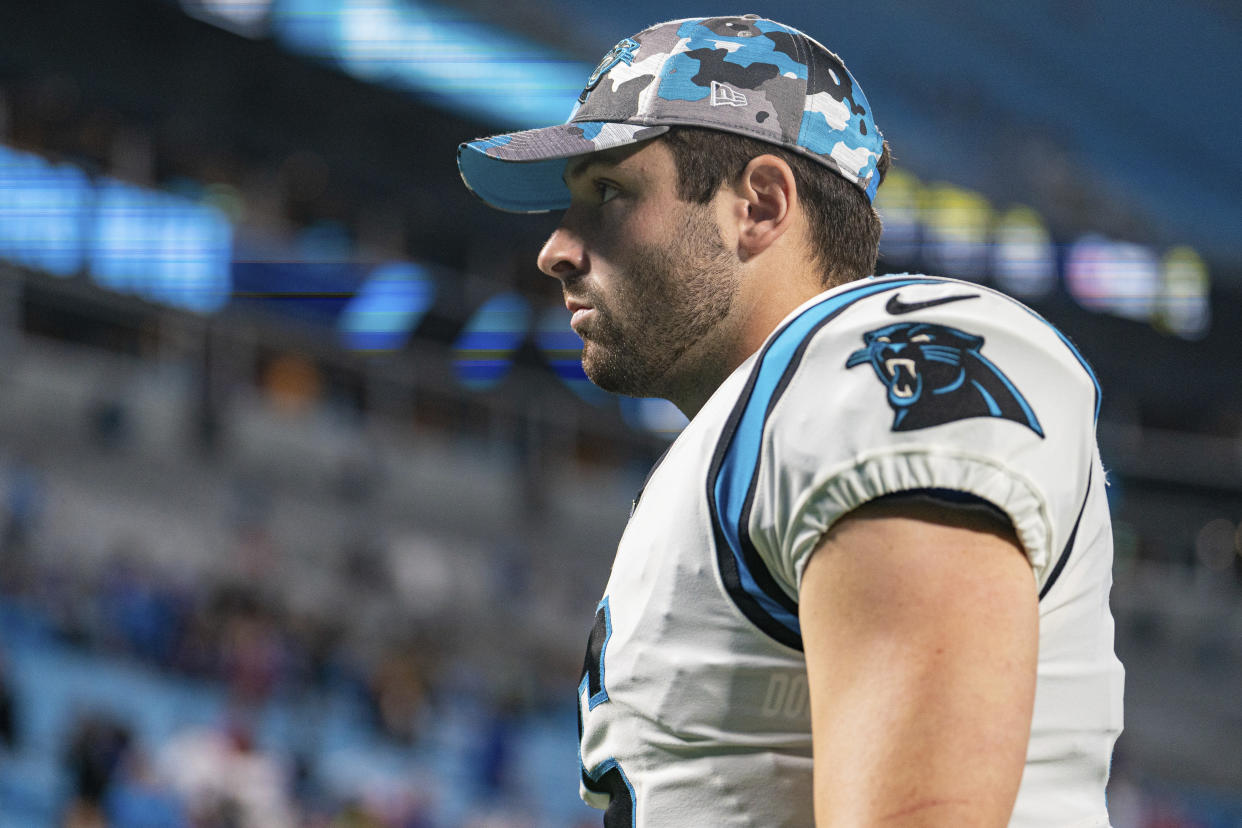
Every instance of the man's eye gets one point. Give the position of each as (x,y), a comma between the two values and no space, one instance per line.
(607,191)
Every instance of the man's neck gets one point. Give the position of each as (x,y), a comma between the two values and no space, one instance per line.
(762,303)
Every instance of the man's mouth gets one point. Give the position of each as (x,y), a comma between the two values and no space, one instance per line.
(579,311)
(580,315)
(902,378)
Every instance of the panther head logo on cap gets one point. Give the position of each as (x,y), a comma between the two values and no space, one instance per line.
(623,52)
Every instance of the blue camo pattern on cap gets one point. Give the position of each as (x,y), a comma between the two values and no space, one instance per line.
(744,75)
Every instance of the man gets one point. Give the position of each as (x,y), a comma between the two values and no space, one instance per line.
(868,583)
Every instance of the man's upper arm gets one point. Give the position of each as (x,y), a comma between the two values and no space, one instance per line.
(920,628)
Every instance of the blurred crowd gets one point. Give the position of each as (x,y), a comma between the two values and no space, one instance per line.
(240,638)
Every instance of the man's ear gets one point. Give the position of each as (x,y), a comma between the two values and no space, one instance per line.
(767,201)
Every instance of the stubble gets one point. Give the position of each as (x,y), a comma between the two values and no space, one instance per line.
(668,299)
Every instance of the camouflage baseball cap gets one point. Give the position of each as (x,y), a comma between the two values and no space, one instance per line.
(745,75)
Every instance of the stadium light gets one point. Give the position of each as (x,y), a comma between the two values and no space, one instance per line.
(483,353)
(248,18)
(897,202)
(161,247)
(956,224)
(387,308)
(438,53)
(1183,308)
(42,212)
(1120,278)
(1023,257)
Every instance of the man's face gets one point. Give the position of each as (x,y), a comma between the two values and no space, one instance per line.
(647,276)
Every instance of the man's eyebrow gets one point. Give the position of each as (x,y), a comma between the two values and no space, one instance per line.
(580,165)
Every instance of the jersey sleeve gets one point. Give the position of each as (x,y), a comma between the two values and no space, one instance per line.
(925,385)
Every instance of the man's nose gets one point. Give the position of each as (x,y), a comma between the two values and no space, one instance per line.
(563,255)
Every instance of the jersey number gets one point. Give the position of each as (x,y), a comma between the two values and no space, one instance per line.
(606,777)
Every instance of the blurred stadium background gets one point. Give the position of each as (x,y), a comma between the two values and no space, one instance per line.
(304,501)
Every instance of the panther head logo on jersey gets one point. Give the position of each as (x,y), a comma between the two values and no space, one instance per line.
(936,374)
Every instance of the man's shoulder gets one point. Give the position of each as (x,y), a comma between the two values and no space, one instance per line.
(904,294)
(931,319)
(919,383)
(904,355)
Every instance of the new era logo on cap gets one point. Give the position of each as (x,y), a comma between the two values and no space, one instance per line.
(724,96)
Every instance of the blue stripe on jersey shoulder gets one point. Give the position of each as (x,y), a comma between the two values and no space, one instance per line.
(731,480)
(1086,366)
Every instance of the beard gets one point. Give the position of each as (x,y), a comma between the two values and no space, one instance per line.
(668,297)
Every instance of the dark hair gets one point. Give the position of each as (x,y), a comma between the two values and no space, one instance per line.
(844,228)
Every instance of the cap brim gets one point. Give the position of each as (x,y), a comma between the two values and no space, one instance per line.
(523,172)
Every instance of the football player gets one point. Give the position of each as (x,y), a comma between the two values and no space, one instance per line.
(868,583)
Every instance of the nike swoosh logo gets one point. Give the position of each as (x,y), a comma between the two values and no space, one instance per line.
(897,307)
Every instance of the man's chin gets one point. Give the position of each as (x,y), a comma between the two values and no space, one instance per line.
(618,373)
(606,369)
(600,375)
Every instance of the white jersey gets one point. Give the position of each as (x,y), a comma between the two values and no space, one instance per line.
(693,704)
